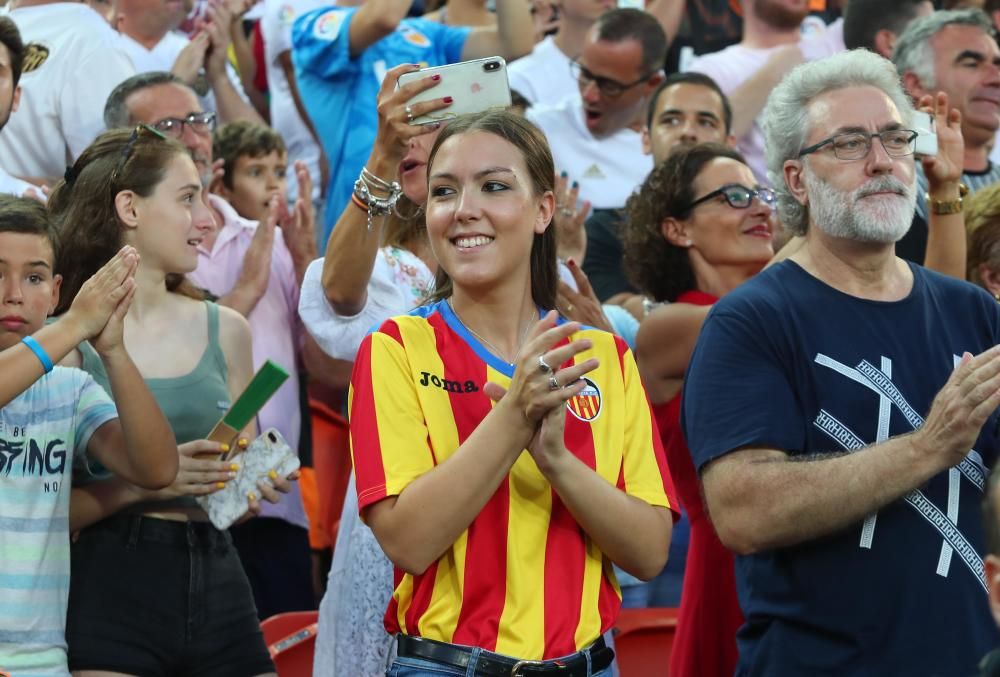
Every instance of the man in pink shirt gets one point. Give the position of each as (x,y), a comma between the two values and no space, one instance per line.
(255,268)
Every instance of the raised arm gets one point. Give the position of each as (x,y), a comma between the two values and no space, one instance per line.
(946,237)
(94,303)
(352,247)
(374,20)
(669,13)
(762,499)
(512,38)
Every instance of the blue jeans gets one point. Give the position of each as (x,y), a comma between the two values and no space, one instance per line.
(417,667)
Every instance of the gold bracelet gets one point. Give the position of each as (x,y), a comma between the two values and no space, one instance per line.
(943,207)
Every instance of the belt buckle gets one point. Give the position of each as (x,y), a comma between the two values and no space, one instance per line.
(518,666)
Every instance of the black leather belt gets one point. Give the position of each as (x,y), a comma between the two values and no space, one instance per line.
(496,665)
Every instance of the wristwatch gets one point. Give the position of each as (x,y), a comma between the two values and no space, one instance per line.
(948,206)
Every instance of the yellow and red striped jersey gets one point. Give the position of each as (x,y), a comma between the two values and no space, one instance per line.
(524,579)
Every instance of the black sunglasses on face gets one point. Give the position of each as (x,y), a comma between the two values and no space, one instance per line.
(608,87)
(738,196)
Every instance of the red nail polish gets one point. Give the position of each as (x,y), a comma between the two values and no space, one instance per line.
(435,78)
(448,99)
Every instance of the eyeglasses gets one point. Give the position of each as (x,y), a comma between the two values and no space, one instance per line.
(857,145)
(608,87)
(738,196)
(200,123)
(129,146)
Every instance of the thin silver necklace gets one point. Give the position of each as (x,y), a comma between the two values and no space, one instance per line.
(492,347)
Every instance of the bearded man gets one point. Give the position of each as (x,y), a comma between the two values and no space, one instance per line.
(841,406)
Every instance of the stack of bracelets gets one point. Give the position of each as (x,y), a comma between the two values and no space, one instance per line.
(366,201)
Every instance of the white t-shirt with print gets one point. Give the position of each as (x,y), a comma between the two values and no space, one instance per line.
(608,168)
(73,62)
(41,432)
(543,77)
(276,27)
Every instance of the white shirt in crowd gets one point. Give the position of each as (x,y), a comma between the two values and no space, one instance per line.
(276,27)
(543,77)
(160,58)
(11,185)
(608,168)
(734,65)
(163,56)
(72,63)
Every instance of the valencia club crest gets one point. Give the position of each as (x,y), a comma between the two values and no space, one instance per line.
(587,405)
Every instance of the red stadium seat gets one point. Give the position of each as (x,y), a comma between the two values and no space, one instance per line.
(332,465)
(291,639)
(643,639)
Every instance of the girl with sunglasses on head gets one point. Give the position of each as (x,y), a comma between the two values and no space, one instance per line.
(156,588)
(697,228)
(498,449)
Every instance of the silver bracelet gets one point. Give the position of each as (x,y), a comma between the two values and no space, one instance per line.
(377,206)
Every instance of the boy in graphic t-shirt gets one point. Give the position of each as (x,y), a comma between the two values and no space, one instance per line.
(50,414)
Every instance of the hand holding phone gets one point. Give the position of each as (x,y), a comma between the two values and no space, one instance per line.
(926,143)
(474,86)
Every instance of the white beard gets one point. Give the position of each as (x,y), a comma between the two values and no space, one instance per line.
(849,215)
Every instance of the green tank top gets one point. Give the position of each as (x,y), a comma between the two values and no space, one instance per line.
(193,403)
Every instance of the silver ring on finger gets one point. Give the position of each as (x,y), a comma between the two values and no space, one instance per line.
(409,112)
(565,211)
(543,366)
(553,383)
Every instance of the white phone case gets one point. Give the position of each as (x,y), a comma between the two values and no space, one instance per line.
(268,452)
(475,86)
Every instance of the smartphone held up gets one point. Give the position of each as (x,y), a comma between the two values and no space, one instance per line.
(474,86)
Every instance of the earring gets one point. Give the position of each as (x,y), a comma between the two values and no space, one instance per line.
(997,297)
(688,243)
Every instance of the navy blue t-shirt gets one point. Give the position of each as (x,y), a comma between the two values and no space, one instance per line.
(787,362)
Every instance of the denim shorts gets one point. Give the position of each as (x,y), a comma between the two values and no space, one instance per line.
(160,598)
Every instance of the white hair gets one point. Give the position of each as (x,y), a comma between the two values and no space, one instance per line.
(786,117)
(913,53)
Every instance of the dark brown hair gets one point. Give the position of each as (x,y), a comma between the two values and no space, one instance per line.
(654,265)
(10,38)
(83,203)
(538,159)
(27,217)
(238,139)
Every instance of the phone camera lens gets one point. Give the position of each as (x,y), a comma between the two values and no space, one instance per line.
(491,65)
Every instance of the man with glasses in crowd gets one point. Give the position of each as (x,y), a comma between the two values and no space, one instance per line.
(596,138)
(954,52)
(256,269)
(840,406)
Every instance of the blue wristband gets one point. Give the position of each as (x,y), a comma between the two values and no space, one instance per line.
(39,352)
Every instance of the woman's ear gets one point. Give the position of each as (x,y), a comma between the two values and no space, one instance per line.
(675,232)
(127,208)
(546,209)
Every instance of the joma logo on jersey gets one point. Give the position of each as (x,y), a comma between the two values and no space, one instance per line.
(429,379)
(587,405)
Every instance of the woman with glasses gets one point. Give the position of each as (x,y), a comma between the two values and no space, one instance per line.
(697,228)
(156,589)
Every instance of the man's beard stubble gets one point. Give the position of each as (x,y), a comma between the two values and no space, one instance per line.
(853,216)
(777,15)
